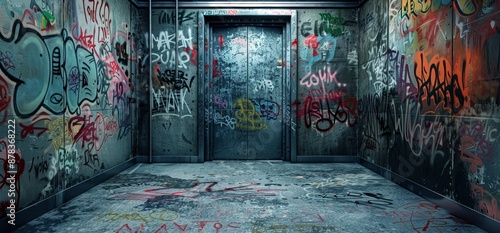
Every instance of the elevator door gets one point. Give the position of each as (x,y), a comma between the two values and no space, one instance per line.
(247,92)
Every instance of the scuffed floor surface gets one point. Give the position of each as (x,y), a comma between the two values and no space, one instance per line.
(260,196)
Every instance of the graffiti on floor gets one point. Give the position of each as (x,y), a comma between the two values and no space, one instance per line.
(422,216)
(255,219)
(291,228)
(152,216)
(198,226)
(201,189)
(375,200)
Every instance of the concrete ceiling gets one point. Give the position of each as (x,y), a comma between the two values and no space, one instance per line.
(252,4)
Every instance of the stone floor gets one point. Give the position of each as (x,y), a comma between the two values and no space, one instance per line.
(241,196)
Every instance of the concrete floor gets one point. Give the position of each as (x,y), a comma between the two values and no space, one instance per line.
(241,196)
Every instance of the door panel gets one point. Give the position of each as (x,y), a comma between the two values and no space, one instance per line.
(247,92)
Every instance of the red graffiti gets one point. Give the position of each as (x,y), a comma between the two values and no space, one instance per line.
(221,41)
(28,18)
(4,98)
(30,129)
(423,217)
(193,53)
(215,70)
(98,12)
(486,202)
(82,129)
(200,189)
(312,43)
(127,228)
(489,206)
(200,226)
(429,29)
(86,40)
(96,131)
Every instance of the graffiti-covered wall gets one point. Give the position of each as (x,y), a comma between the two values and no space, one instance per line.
(66,70)
(174,97)
(327,71)
(429,95)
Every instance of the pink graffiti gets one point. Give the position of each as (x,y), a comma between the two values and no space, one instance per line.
(198,189)
(322,78)
(219,102)
(480,133)
(99,13)
(18,166)
(240,41)
(232,12)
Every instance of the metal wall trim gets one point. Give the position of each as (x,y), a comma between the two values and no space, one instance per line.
(202,148)
(327,159)
(254,4)
(169,159)
(150,85)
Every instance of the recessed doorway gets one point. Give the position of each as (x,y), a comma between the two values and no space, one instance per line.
(247,88)
(247,92)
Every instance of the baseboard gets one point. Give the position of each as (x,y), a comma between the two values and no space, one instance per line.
(472,216)
(326,159)
(168,159)
(31,212)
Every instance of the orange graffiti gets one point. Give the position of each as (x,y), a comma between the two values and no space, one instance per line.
(437,84)
(467,156)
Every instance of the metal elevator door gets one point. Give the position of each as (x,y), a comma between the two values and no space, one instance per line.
(247,93)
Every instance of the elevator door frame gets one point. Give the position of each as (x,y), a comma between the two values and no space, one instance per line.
(234,17)
(271,147)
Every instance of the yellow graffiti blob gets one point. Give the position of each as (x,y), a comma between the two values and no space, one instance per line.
(246,116)
(57,130)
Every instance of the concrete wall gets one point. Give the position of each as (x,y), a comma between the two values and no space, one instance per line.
(67,70)
(429,96)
